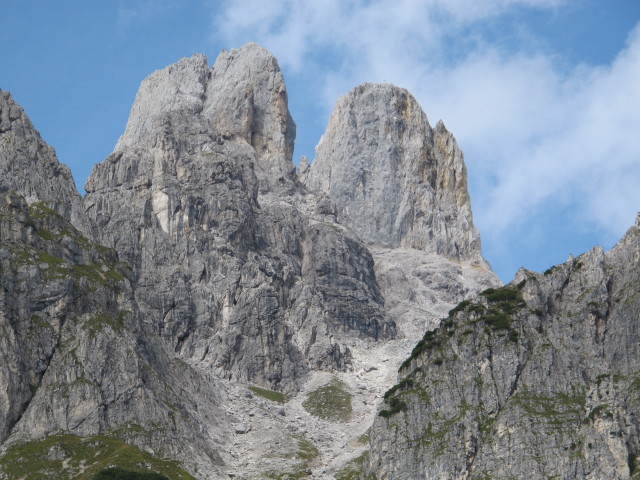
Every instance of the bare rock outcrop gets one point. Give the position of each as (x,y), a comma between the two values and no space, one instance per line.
(243,95)
(227,268)
(537,379)
(29,166)
(75,355)
(199,263)
(395,181)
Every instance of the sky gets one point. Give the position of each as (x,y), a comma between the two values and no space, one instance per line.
(543,96)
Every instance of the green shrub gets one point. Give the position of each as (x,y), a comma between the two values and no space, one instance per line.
(504,294)
(395,405)
(270,394)
(330,402)
(120,474)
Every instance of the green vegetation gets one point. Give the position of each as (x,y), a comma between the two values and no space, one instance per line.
(395,406)
(353,469)
(120,474)
(69,457)
(404,384)
(503,302)
(330,402)
(429,341)
(307,452)
(40,210)
(557,410)
(45,234)
(460,307)
(270,394)
(503,294)
(602,410)
(101,320)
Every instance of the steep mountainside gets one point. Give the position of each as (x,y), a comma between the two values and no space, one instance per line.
(142,324)
(538,379)
(29,166)
(242,284)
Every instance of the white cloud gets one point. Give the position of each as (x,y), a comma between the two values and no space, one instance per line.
(535,133)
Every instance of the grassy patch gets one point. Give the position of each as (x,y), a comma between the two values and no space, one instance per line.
(101,320)
(66,457)
(353,469)
(120,474)
(330,402)
(40,210)
(307,452)
(429,341)
(556,410)
(45,234)
(270,394)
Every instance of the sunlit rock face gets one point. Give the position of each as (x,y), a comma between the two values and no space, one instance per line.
(230,269)
(395,180)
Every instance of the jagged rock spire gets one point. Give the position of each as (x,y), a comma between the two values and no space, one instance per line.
(242,96)
(30,167)
(395,180)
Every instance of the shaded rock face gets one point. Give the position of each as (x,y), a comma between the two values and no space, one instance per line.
(228,270)
(75,355)
(29,166)
(395,180)
(538,379)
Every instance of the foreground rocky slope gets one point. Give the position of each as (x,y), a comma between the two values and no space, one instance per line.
(200,264)
(536,379)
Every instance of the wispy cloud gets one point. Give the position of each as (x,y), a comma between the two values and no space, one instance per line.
(535,131)
(131,13)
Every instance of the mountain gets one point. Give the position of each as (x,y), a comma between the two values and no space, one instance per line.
(538,379)
(208,311)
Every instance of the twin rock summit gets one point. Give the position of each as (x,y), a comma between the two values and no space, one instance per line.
(208,311)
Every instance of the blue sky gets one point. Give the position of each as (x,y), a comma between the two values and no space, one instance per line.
(543,96)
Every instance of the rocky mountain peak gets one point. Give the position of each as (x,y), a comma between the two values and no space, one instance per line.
(29,166)
(178,87)
(242,96)
(396,180)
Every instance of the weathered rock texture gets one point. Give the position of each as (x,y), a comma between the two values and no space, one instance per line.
(29,166)
(221,268)
(242,284)
(242,96)
(538,379)
(396,181)
(402,187)
(74,355)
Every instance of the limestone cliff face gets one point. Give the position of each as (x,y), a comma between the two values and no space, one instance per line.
(395,180)
(228,269)
(242,96)
(29,166)
(75,355)
(538,379)
(401,185)
(199,263)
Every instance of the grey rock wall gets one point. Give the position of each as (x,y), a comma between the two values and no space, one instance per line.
(538,379)
(228,269)
(198,258)
(76,357)
(395,180)
(29,166)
